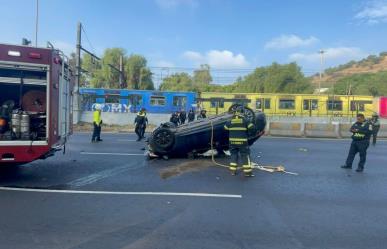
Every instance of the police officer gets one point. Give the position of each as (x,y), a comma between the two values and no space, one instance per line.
(375,123)
(361,132)
(175,118)
(183,117)
(202,115)
(239,129)
(140,121)
(191,115)
(97,122)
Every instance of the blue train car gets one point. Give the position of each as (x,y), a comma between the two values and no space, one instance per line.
(124,100)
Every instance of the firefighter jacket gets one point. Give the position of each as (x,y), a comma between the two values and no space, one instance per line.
(361,131)
(239,129)
(97,117)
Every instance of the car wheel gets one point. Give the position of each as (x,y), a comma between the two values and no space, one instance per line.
(163,138)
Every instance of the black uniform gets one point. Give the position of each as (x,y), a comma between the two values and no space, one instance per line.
(360,142)
(191,116)
(375,123)
(238,129)
(141,122)
(175,119)
(183,117)
(202,115)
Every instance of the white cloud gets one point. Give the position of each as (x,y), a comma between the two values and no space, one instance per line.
(172,4)
(164,63)
(217,59)
(193,56)
(374,12)
(65,47)
(332,56)
(290,41)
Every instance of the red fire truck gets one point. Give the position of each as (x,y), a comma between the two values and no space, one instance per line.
(36,86)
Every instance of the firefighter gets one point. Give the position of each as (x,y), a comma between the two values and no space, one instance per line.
(183,117)
(191,115)
(361,132)
(375,123)
(97,123)
(175,118)
(239,129)
(202,114)
(140,122)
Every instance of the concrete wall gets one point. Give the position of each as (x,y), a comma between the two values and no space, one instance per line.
(285,129)
(112,118)
(383,131)
(282,126)
(322,130)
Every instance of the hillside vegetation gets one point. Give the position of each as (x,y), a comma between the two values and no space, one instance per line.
(367,76)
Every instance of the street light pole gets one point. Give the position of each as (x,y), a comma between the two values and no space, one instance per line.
(36,23)
(321,52)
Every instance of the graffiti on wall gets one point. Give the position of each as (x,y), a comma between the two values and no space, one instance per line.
(114,107)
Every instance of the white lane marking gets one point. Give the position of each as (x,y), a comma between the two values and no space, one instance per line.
(127,140)
(120,192)
(111,153)
(92,178)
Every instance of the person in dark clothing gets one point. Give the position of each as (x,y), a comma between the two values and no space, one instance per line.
(202,115)
(375,123)
(175,118)
(140,121)
(191,115)
(183,117)
(239,129)
(361,132)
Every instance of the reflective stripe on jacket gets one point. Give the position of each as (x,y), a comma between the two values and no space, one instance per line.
(97,117)
(361,131)
(238,130)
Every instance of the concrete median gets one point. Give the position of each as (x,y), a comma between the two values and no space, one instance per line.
(344,130)
(286,129)
(330,130)
(383,131)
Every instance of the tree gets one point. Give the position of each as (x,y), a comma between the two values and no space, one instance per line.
(137,73)
(202,77)
(275,78)
(177,82)
(374,84)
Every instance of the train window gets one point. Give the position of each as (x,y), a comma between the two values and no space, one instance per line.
(260,102)
(335,105)
(310,104)
(135,99)
(287,104)
(157,100)
(267,103)
(357,106)
(112,99)
(179,101)
(217,103)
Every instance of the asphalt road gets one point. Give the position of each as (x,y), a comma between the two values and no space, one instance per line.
(129,202)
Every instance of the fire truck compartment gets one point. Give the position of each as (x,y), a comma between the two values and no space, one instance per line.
(23,103)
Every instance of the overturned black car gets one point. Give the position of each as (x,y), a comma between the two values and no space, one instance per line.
(169,140)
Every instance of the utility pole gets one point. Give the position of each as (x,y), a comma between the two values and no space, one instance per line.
(122,72)
(36,23)
(321,52)
(78,71)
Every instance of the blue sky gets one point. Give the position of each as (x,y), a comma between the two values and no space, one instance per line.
(223,33)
